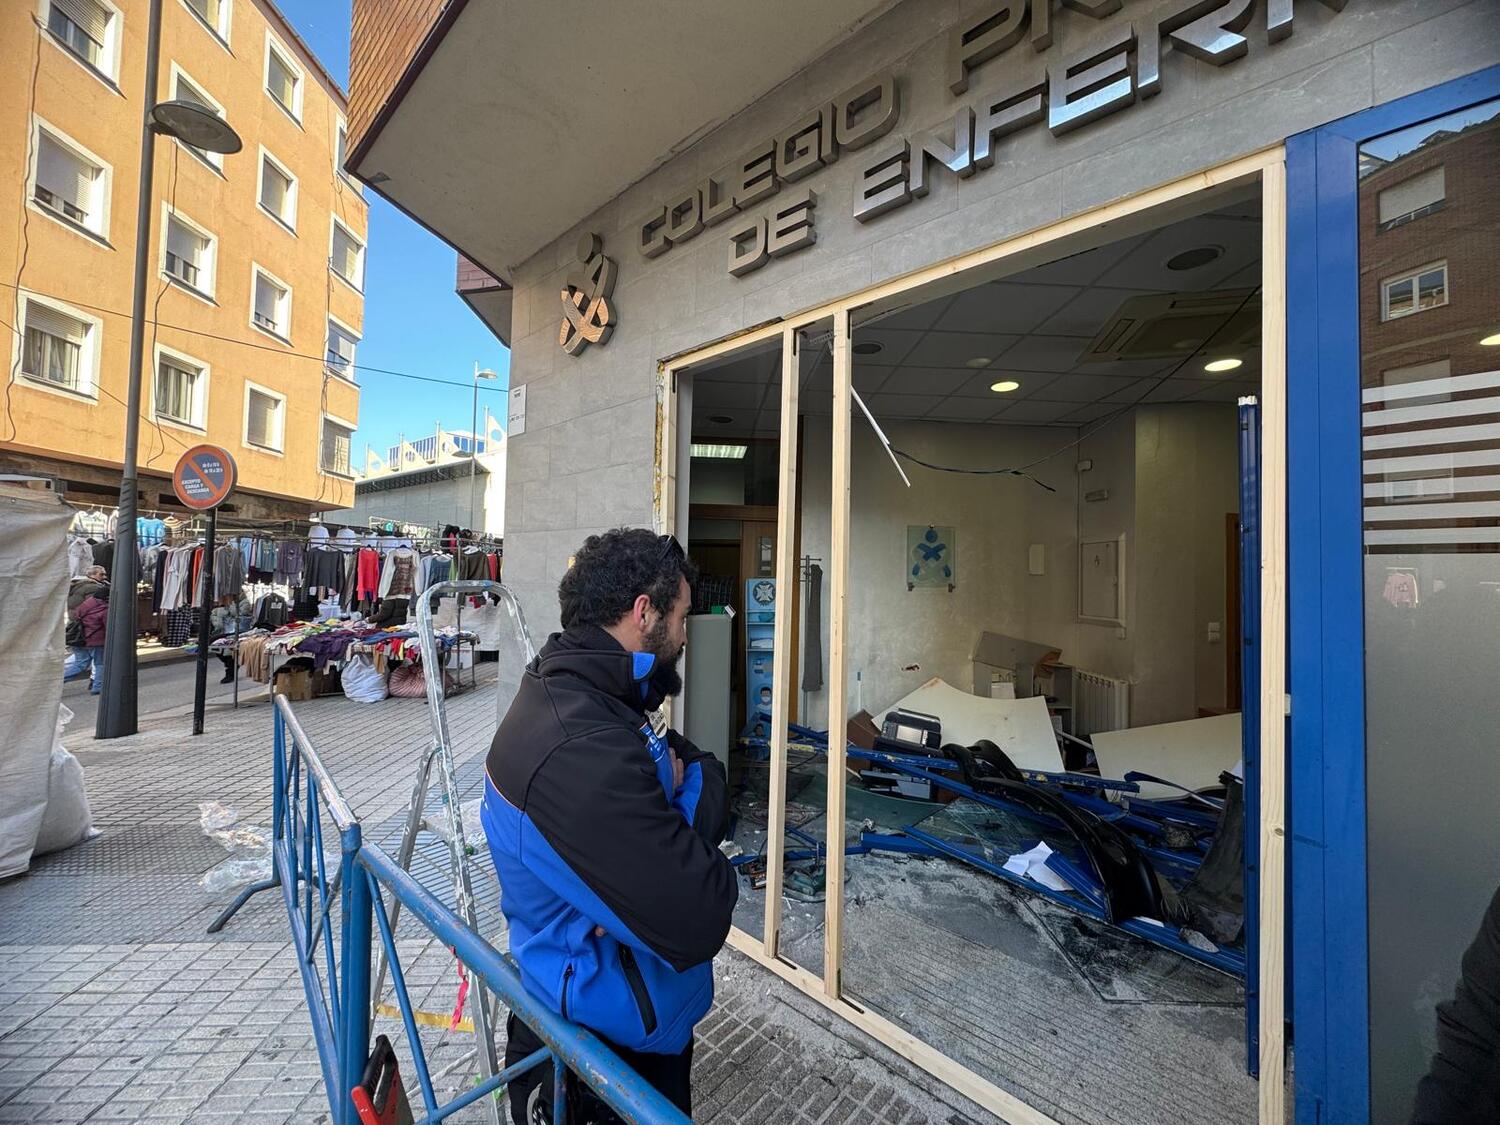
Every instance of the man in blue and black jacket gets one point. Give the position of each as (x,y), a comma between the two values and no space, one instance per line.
(605,831)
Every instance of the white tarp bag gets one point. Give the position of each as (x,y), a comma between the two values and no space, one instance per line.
(33,601)
(362,683)
(68,819)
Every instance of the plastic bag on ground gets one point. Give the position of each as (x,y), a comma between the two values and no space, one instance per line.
(362,683)
(249,847)
(68,819)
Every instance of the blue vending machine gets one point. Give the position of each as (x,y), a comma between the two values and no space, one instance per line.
(760,630)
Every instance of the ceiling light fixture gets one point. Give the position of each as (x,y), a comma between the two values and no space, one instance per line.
(720,419)
(720,452)
(1491,341)
(1005,386)
(978,361)
(1218,365)
(1195,258)
(868,347)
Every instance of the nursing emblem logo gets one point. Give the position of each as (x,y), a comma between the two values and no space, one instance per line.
(587,316)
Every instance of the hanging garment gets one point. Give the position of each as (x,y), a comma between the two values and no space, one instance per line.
(80,557)
(367,574)
(322,569)
(289,558)
(229,572)
(812,635)
(396,576)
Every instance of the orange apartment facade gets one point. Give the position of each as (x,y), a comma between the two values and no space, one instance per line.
(255,291)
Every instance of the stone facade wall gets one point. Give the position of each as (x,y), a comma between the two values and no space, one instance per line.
(586,459)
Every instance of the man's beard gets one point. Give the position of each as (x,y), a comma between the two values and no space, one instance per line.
(665,676)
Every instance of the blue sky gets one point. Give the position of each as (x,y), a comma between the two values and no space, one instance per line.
(414,322)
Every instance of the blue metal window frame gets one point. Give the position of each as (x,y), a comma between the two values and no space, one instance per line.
(1330,940)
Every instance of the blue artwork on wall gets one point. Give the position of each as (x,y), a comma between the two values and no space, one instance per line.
(931,557)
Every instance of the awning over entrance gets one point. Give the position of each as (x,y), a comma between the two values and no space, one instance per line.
(500,125)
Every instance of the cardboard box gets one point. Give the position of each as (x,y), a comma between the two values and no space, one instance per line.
(294,683)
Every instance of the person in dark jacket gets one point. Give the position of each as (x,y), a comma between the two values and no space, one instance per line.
(1463,1085)
(605,828)
(88,613)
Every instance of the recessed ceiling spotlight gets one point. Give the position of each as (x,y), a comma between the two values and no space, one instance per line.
(1195,258)
(978,361)
(868,347)
(1005,386)
(1218,365)
(1491,341)
(720,419)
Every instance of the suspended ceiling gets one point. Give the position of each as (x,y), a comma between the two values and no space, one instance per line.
(1035,328)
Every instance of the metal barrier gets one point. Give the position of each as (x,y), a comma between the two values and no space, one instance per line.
(336,969)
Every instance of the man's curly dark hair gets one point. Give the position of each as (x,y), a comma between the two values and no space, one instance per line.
(611,570)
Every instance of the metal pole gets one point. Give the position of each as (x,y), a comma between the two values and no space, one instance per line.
(473,446)
(117,704)
(200,688)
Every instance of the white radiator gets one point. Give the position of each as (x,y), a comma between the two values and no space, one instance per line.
(1099,703)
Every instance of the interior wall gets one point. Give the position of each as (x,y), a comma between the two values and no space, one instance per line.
(716,480)
(1186,479)
(1110,450)
(996,519)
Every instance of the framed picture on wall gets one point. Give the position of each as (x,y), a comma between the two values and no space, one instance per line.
(931,557)
(1101,581)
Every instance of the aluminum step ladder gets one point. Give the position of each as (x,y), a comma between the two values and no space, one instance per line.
(447,825)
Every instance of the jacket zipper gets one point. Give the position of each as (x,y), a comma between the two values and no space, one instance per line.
(638,988)
(567,979)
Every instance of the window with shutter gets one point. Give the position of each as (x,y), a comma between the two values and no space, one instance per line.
(210,12)
(1412,198)
(340,351)
(335,448)
(185,91)
(276,191)
(53,347)
(82,26)
(281,83)
(66,183)
(270,305)
(263,420)
(187,252)
(177,386)
(346,257)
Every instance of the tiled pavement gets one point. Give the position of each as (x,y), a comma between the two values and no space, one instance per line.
(116,1005)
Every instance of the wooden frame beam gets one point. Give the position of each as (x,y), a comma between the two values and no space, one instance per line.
(838,656)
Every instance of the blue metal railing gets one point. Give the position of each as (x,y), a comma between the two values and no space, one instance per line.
(336,974)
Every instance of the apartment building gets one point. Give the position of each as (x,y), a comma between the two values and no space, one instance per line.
(254,301)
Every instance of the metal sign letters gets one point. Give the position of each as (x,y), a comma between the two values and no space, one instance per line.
(1112,74)
(588,317)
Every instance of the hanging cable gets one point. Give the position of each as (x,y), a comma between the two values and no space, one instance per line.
(1023,470)
(24,236)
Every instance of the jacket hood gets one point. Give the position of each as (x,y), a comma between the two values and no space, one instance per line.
(591,654)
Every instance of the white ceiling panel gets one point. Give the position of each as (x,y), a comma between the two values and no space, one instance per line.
(901,406)
(1029,410)
(1004,306)
(1083,388)
(1044,353)
(1086,313)
(1031,382)
(955,349)
(926,380)
(1145,267)
(895,345)
(919,317)
(965,409)
(1083,268)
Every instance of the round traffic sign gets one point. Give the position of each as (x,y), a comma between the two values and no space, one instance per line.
(204,477)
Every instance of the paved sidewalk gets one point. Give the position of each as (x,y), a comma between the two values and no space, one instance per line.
(116,1005)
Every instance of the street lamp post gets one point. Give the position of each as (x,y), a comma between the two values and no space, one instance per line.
(486,373)
(205,130)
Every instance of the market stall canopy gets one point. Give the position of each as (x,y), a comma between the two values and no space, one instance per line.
(501,125)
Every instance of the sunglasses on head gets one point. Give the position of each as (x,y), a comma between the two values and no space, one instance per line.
(669,547)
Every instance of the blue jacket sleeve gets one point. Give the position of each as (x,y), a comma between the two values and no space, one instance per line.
(704,797)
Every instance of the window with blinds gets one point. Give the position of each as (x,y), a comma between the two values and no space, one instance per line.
(178,391)
(212,13)
(52,350)
(334,457)
(187,255)
(82,26)
(263,419)
(340,351)
(347,258)
(1412,198)
(269,310)
(1414,292)
(184,90)
(66,184)
(278,192)
(281,81)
